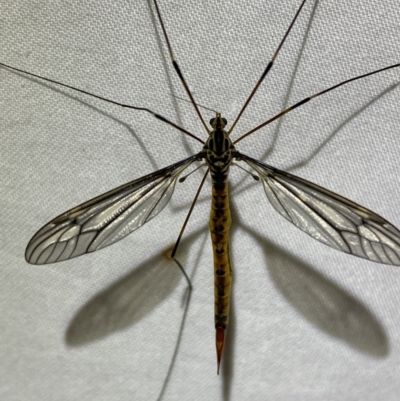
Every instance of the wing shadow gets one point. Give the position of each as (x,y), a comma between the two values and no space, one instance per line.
(127,301)
(324,303)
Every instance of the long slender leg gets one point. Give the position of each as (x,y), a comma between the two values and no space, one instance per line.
(127,106)
(179,338)
(267,68)
(177,69)
(307,99)
(188,215)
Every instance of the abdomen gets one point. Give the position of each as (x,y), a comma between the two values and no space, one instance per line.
(220,222)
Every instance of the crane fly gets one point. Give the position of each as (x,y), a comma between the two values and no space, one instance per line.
(322,214)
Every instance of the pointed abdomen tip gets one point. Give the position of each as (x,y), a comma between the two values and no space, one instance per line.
(219,341)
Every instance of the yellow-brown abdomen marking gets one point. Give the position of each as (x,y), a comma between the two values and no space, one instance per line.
(220,222)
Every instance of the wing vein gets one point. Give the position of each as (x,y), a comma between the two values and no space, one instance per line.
(107,218)
(329,217)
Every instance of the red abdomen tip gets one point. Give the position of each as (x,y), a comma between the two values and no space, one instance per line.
(219,341)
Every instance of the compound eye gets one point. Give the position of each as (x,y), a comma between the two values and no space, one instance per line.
(212,121)
(225,121)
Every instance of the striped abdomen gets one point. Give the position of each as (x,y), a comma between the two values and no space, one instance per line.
(220,222)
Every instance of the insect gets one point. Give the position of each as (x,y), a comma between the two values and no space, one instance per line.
(327,217)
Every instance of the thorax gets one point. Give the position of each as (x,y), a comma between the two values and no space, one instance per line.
(219,150)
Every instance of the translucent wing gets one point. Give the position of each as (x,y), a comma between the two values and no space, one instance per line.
(106,219)
(328,217)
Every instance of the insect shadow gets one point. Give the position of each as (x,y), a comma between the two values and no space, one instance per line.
(128,300)
(133,297)
(324,303)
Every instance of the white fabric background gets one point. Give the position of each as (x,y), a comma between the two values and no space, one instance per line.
(307,322)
